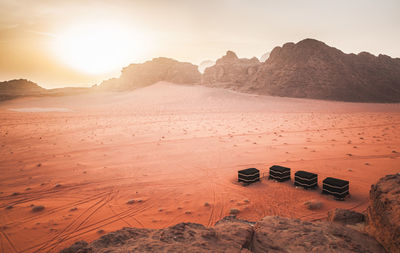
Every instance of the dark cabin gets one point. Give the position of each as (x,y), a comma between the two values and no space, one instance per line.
(279,173)
(305,179)
(336,187)
(249,175)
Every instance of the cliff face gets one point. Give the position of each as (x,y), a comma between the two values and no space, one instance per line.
(159,69)
(383,213)
(311,69)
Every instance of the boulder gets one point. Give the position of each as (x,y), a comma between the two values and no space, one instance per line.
(345,217)
(383,213)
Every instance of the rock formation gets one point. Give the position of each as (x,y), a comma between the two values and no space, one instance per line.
(159,69)
(271,234)
(231,72)
(20,87)
(183,237)
(16,88)
(383,213)
(311,69)
(277,234)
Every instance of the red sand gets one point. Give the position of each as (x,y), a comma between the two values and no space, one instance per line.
(176,148)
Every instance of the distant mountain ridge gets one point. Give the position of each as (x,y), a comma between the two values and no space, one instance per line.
(20,86)
(312,69)
(23,88)
(307,69)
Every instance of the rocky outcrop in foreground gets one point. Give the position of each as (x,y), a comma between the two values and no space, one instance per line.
(383,213)
(159,69)
(271,234)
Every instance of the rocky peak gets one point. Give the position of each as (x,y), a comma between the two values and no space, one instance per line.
(229,57)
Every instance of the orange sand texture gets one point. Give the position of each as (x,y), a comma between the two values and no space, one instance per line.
(172,149)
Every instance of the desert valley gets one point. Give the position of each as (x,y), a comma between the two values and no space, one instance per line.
(149,160)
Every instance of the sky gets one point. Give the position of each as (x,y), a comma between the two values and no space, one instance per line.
(82,42)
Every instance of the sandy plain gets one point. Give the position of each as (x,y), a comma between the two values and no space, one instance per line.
(170,153)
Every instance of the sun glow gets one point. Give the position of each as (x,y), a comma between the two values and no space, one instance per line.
(98,48)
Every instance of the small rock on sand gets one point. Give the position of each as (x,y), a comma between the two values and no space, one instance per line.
(37,208)
(130,202)
(313,204)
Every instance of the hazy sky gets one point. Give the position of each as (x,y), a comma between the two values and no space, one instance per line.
(81,42)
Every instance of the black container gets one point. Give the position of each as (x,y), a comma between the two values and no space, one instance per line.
(279,173)
(249,175)
(336,187)
(305,179)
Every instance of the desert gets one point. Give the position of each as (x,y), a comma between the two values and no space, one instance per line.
(199,126)
(167,153)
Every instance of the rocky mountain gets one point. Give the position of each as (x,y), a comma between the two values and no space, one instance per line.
(20,87)
(159,69)
(231,72)
(311,69)
(272,233)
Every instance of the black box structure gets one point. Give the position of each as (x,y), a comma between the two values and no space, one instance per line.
(279,173)
(305,179)
(249,175)
(336,187)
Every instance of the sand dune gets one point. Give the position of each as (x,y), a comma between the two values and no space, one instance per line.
(169,153)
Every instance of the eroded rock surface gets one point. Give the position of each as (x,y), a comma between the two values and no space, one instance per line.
(383,213)
(312,69)
(271,234)
(184,237)
(277,234)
